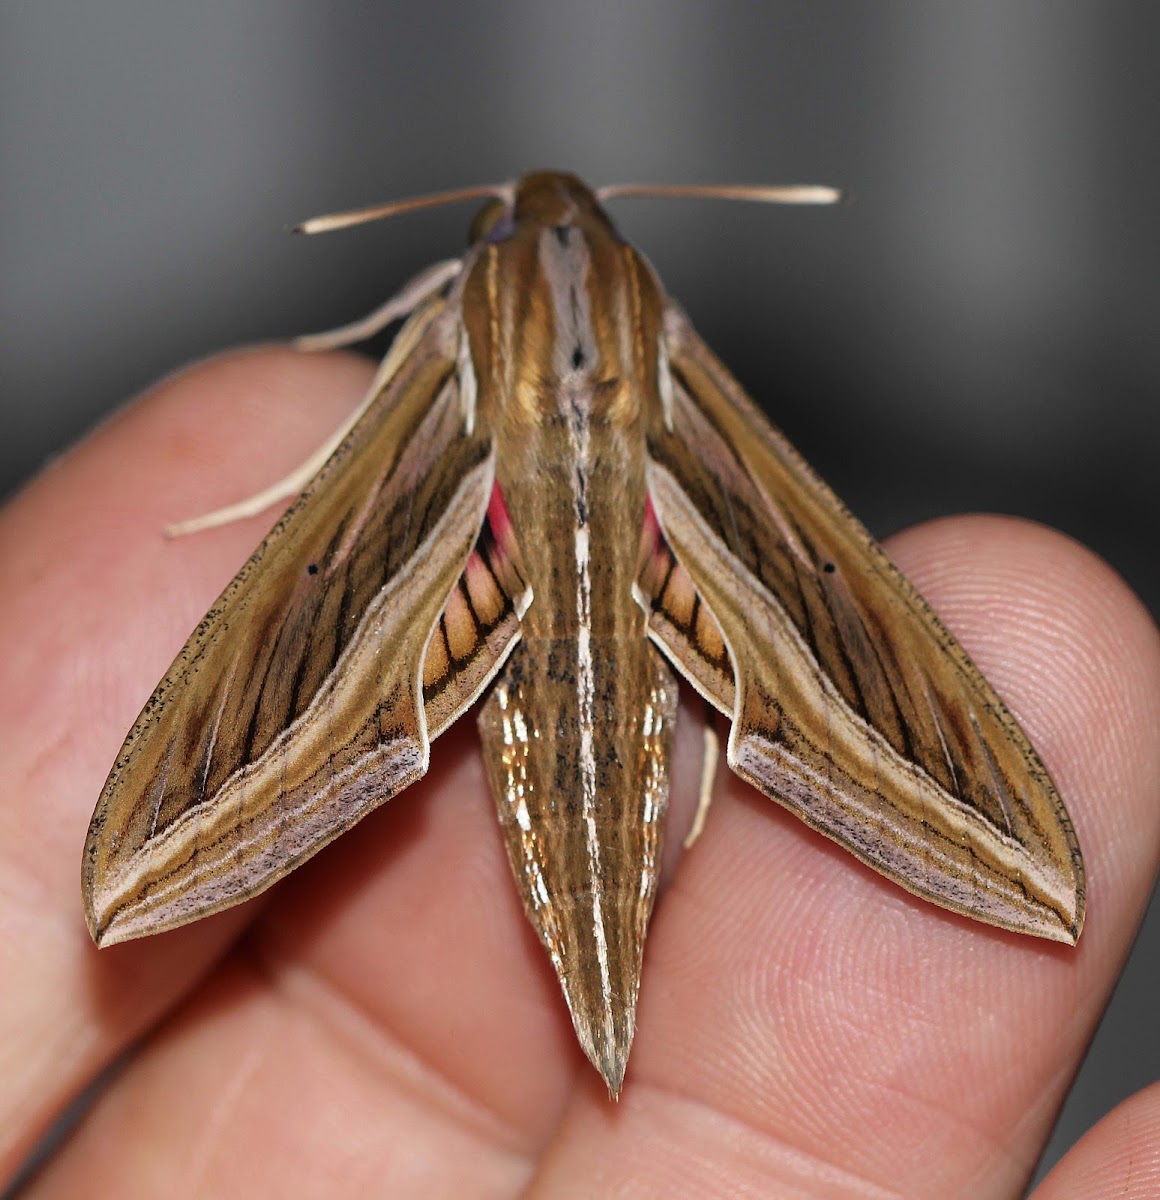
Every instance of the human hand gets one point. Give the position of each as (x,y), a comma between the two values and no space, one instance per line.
(385,1023)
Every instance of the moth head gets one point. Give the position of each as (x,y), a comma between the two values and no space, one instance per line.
(555,198)
(541,198)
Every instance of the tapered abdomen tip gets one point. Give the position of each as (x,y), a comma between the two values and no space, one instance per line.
(606,1041)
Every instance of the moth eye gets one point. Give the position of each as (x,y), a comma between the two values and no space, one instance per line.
(492,223)
(312,569)
(829,568)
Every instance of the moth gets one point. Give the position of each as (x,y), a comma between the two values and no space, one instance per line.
(556,499)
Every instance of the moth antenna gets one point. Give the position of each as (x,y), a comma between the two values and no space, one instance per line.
(800,193)
(377,212)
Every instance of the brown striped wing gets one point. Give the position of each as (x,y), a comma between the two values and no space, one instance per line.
(852,705)
(298,703)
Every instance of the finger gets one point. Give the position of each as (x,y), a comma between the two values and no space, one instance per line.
(94,603)
(805,1024)
(393,986)
(258,1091)
(389,1025)
(412,922)
(1117,1159)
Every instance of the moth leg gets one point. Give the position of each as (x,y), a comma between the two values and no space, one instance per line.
(420,288)
(708,775)
(297,480)
(409,297)
(291,485)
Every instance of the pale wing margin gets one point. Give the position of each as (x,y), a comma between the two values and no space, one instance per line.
(296,707)
(854,706)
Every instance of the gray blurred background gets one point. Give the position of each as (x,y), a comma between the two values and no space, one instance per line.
(974,330)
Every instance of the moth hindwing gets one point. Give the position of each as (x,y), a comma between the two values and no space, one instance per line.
(557,498)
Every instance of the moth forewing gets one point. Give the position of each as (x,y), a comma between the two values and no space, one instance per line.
(794,737)
(855,706)
(281,722)
(554,479)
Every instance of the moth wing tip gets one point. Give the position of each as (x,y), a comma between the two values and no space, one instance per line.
(1076,927)
(1061,925)
(104,927)
(92,918)
(113,934)
(101,931)
(1071,916)
(1067,935)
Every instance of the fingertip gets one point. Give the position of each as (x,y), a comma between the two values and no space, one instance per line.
(1118,1157)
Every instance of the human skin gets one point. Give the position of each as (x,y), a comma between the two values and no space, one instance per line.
(385,1023)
